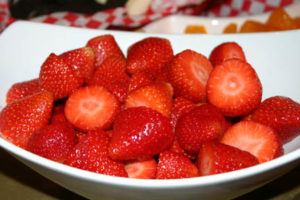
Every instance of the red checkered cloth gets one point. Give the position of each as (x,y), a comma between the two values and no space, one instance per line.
(118,18)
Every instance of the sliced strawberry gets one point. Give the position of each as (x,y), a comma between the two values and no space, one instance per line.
(189,74)
(226,51)
(139,80)
(174,166)
(91,107)
(234,88)
(104,46)
(53,141)
(203,123)
(145,169)
(91,153)
(157,96)
(82,60)
(216,158)
(149,55)
(280,113)
(58,77)
(258,139)
(21,118)
(140,133)
(22,89)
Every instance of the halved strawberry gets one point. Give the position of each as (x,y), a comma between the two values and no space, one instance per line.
(144,169)
(258,139)
(157,96)
(280,113)
(139,80)
(189,74)
(22,89)
(216,158)
(104,46)
(174,166)
(91,107)
(234,88)
(58,77)
(82,60)
(21,118)
(225,51)
(149,55)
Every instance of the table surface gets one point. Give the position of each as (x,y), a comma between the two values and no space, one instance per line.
(20,182)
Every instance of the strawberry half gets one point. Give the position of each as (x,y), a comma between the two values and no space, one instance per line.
(174,166)
(145,169)
(234,88)
(189,74)
(225,51)
(53,141)
(280,113)
(91,107)
(149,55)
(104,46)
(91,153)
(216,158)
(140,133)
(258,139)
(21,118)
(58,77)
(82,60)
(22,89)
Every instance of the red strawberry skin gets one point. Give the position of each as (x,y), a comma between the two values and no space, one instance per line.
(21,118)
(189,74)
(203,123)
(58,77)
(225,51)
(234,88)
(174,166)
(139,80)
(149,55)
(216,158)
(53,141)
(144,169)
(140,133)
(280,113)
(91,153)
(22,89)
(104,46)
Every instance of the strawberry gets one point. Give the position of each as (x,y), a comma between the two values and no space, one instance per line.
(58,77)
(226,51)
(82,60)
(234,88)
(215,158)
(173,166)
(258,139)
(91,107)
(164,73)
(53,141)
(22,89)
(140,133)
(80,135)
(179,150)
(104,46)
(139,80)
(203,123)
(280,113)
(189,74)
(144,169)
(91,153)
(149,55)
(157,96)
(58,114)
(119,89)
(21,118)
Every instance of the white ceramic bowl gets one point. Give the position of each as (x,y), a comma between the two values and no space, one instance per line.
(275,56)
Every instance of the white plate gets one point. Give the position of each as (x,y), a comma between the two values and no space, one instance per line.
(275,56)
(176,24)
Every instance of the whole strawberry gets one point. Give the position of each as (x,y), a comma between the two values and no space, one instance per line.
(53,141)
(280,113)
(21,118)
(91,153)
(140,133)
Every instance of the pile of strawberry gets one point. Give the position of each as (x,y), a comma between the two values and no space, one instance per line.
(151,114)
